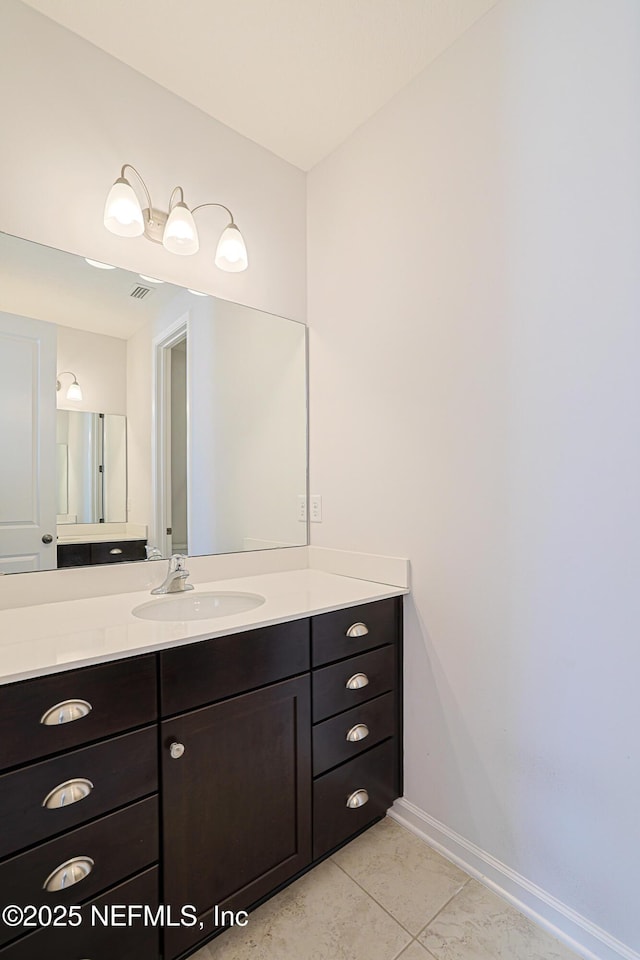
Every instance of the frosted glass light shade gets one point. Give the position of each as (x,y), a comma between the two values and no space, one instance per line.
(122,211)
(74,392)
(180,234)
(231,252)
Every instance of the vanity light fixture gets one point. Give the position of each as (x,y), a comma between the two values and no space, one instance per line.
(74,392)
(197,293)
(176,230)
(143,276)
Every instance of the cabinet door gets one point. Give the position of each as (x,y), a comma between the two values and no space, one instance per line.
(237,804)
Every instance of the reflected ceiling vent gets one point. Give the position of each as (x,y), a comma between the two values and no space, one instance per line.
(139,292)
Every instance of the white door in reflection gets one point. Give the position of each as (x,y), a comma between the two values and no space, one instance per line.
(28,444)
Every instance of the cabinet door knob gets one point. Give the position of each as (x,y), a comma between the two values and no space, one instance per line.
(359,732)
(357,681)
(65,712)
(68,873)
(357,799)
(358,630)
(67,793)
(176,750)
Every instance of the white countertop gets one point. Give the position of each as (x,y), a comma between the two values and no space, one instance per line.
(100,538)
(52,637)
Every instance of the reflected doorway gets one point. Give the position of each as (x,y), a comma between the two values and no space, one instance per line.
(178,445)
(170,533)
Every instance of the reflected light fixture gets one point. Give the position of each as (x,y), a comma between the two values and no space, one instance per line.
(74,392)
(99,264)
(176,229)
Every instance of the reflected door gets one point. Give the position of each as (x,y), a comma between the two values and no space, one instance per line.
(27,444)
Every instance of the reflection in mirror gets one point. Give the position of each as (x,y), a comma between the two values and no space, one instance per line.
(91,467)
(200,444)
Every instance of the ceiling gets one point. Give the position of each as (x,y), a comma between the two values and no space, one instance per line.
(296,76)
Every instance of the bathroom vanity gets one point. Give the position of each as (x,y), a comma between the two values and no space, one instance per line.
(209,772)
(81,553)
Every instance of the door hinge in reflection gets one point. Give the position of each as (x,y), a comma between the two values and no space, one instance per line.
(169,530)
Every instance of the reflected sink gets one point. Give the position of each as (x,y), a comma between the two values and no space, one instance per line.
(197,606)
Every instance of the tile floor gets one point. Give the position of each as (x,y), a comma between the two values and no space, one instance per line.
(386,896)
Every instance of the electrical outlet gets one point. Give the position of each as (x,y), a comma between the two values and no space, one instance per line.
(315,508)
(302,508)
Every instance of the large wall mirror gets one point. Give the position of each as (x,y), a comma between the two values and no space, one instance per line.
(140,419)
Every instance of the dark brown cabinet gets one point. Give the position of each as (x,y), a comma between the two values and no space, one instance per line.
(79,806)
(275,746)
(357,712)
(114,551)
(237,802)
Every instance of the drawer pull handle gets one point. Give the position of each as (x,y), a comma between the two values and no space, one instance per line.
(67,793)
(359,732)
(68,873)
(176,750)
(115,551)
(357,681)
(358,630)
(357,799)
(65,712)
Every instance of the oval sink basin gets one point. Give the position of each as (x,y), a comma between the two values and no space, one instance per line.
(197,606)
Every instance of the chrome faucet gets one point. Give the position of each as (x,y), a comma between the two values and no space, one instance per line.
(176,578)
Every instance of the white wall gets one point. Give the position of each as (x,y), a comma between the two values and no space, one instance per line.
(474,295)
(248,464)
(71,115)
(100,364)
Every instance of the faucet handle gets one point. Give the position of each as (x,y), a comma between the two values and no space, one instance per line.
(177,562)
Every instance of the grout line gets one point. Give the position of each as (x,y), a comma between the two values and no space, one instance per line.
(377,902)
(382,907)
(398,956)
(443,907)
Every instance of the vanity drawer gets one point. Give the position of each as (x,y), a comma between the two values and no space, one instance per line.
(118,552)
(351,733)
(330,685)
(121,695)
(333,820)
(74,554)
(345,632)
(131,942)
(119,845)
(111,774)
(225,666)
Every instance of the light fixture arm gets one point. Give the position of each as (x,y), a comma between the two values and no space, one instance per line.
(201,205)
(62,373)
(173,193)
(128,166)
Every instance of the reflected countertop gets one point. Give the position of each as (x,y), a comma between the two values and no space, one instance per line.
(52,637)
(101,538)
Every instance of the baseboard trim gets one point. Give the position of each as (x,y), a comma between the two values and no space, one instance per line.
(568,926)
